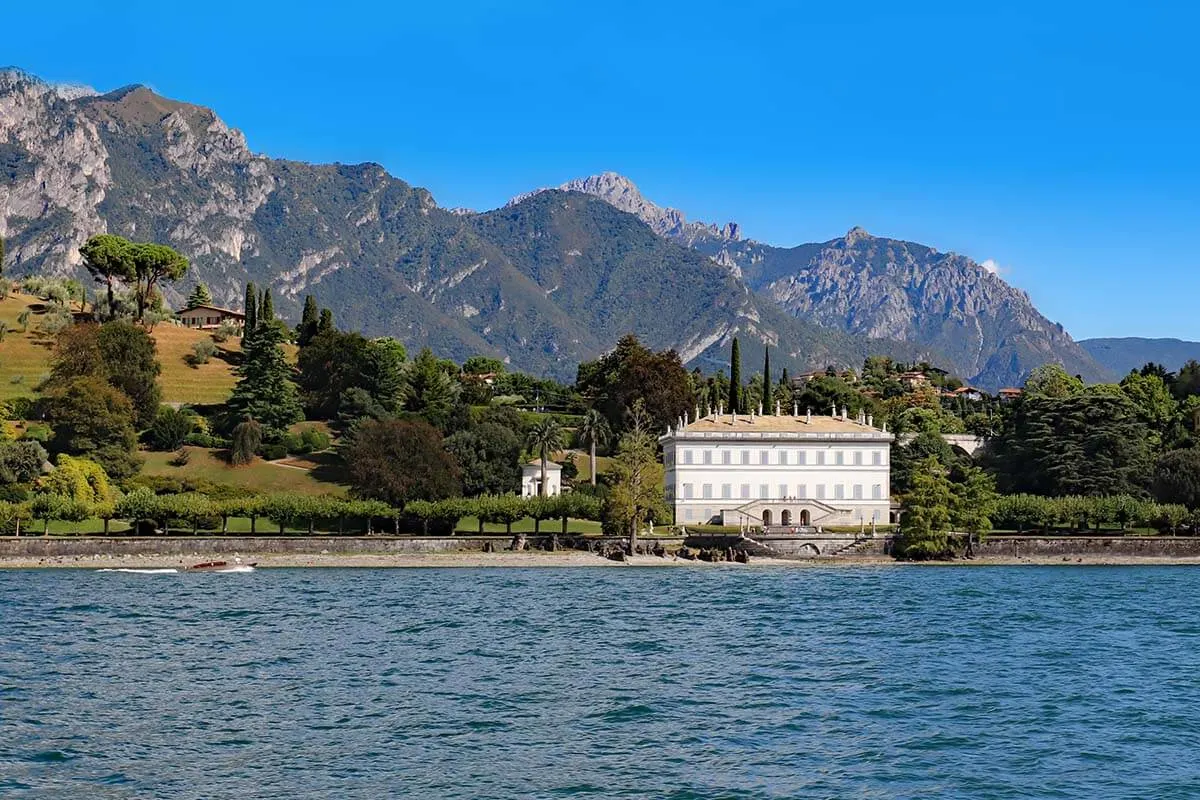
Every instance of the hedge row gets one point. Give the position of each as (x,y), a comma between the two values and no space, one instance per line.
(194,510)
(1025,512)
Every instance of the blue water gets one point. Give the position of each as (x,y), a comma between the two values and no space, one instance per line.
(659,683)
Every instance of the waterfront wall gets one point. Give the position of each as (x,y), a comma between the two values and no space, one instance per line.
(1066,546)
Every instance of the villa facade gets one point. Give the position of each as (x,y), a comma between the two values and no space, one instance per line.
(778,471)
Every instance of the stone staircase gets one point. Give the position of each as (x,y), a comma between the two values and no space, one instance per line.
(860,545)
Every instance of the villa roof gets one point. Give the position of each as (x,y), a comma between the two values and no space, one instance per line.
(770,423)
(537,462)
(210,307)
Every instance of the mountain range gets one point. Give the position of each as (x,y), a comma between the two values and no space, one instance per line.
(1121,355)
(552,278)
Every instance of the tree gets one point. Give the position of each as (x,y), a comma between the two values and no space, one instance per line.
(926,519)
(1177,477)
(108,259)
(80,480)
(735,378)
(251,311)
(631,372)
(399,460)
(199,296)
(326,322)
(309,321)
(637,491)
(152,264)
(544,439)
(1155,404)
(767,400)
(974,501)
(428,390)
(131,365)
(170,428)
(247,438)
(482,365)
(21,461)
(266,308)
(1051,380)
(488,456)
(265,391)
(90,418)
(594,430)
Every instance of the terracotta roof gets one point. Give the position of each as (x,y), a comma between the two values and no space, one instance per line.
(769,423)
(229,311)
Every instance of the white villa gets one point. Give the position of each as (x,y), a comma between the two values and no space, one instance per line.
(531,479)
(778,471)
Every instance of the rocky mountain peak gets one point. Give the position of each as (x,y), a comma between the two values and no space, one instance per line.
(622,193)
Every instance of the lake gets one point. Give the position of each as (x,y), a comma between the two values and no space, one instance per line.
(733,682)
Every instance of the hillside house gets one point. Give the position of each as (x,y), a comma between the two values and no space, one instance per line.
(531,479)
(205,317)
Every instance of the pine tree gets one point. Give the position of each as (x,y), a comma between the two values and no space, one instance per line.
(200,296)
(265,391)
(309,322)
(251,310)
(735,378)
(766,392)
(266,309)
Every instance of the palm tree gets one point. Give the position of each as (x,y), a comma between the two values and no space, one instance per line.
(594,430)
(545,438)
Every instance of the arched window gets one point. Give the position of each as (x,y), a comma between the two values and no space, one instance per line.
(766,516)
(785,517)
(805,519)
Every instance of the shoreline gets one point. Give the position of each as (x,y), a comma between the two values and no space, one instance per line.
(568,558)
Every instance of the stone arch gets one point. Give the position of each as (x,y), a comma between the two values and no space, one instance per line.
(766,516)
(785,517)
(809,549)
(805,517)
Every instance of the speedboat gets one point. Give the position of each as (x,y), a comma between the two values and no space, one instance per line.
(222,566)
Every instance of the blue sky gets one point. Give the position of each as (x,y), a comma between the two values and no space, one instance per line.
(1058,140)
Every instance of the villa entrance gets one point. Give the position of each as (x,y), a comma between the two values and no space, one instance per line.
(805,519)
(785,518)
(766,517)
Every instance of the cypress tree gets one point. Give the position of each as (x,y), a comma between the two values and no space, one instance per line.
(1,255)
(309,322)
(735,378)
(266,309)
(251,308)
(326,323)
(767,379)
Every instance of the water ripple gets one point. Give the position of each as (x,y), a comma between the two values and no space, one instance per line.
(684,684)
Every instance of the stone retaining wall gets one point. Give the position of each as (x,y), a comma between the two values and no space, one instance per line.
(1146,546)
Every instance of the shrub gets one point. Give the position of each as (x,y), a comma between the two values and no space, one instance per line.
(55,321)
(291,443)
(314,439)
(247,438)
(181,458)
(206,440)
(274,452)
(202,353)
(21,408)
(39,432)
(225,331)
(171,428)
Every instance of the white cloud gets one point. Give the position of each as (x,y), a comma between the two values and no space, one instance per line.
(992,266)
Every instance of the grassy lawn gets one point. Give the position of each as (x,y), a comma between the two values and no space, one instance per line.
(210,465)
(603,464)
(25,358)
(470,525)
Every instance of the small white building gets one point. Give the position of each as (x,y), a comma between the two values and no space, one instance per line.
(531,479)
(778,471)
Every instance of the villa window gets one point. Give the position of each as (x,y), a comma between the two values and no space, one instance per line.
(877,458)
(783,457)
(764,457)
(839,458)
(820,491)
(708,456)
(858,458)
(687,491)
(802,491)
(687,456)
(820,457)
(726,491)
(706,491)
(783,492)
(745,491)
(726,456)
(745,456)
(764,491)
(801,457)
(858,494)
(877,492)
(839,491)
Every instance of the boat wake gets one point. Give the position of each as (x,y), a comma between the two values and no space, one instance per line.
(140,571)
